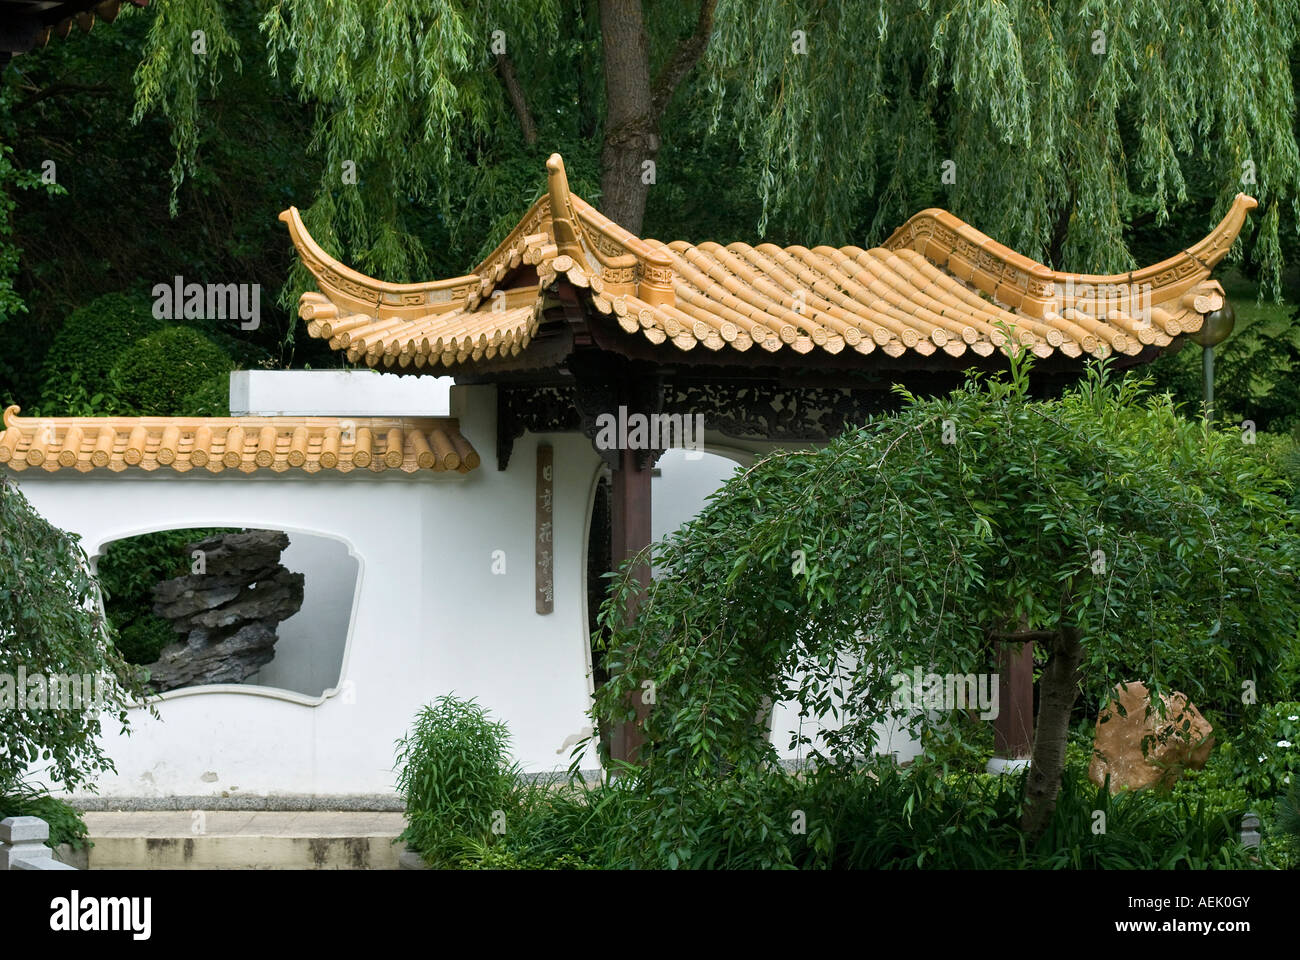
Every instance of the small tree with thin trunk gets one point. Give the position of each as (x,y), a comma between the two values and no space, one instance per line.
(1105,527)
(52,633)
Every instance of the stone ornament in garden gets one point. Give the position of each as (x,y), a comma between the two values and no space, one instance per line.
(227,614)
(1137,749)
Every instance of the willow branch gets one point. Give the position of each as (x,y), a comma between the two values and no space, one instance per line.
(683,60)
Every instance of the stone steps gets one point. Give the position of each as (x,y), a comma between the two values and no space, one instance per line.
(243,840)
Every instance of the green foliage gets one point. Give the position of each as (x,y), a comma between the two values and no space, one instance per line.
(404,93)
(1003,527)
(175,73)
(960,741)
(11,178)
(1224,782)
(107,229)
(1182,110)
(73,398)
(454,773)
(1144,830)
(169,372)
(91,340)
(1288,819)
(132,566)
(50,624)
(143,638)
(1256,375)
(560,826)
(1270,752)
(211,398)
(872,816)
(971,821)
(1164,96)
(66,823)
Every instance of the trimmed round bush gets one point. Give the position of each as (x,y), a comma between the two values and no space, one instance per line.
(210,399)
(157,376)
(92,339)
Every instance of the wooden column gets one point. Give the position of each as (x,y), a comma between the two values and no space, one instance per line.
(630,533)
(1013,729)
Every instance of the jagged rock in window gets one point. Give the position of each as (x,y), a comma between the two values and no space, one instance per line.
(227,614)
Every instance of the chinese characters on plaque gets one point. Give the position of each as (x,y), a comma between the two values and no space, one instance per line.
(545,529)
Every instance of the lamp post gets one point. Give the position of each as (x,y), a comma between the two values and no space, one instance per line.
(1214,330)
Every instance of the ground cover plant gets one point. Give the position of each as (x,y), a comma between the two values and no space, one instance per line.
(468,807)
(66,823)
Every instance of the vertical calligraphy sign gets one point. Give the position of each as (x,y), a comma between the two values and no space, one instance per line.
(545,529)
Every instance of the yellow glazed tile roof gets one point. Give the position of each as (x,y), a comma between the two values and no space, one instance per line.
(245,444)
(936,284)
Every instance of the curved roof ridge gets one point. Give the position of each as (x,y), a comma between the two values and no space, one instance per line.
(246,444)
(937,283)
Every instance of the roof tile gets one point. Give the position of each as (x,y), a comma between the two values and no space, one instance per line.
(246,444)
(936,283)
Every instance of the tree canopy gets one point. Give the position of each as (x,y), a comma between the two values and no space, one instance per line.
(1090,135)
(1053,126)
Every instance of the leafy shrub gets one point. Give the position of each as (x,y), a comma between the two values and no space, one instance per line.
(880,817)
(73,398)
(961,742)
(133,565)
(66,823)
(872,816)
(158,375)
(1272,760)
(1220,782)
(1105,526)
(1255,375)
(1288,820)
(89,343)
(210,399)
(50,624)
(454,774)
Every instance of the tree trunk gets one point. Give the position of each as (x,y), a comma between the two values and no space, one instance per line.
(1057,689)
(630,135)
(517,99)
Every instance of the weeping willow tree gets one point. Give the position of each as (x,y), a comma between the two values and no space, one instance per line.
(1124,541)
(1054,122)
(1051,125)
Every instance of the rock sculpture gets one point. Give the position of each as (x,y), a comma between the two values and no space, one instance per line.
(227,610)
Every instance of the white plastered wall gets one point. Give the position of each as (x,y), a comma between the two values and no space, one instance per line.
(430,615)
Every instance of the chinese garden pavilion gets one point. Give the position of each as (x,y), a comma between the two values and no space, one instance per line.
(571,318)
